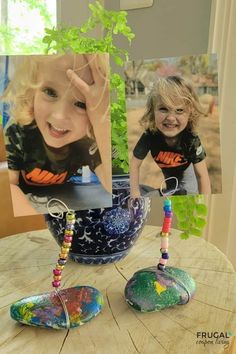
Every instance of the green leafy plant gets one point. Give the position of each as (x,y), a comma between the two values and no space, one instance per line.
(77,40)
(191,213)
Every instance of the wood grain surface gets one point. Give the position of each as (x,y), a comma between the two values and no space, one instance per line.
(26,269)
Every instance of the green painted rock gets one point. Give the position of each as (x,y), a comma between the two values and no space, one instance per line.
(151,289)
(46,310)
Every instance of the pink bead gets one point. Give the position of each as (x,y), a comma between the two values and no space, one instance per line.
(164,242)
(163,261)
(56,283)
(56,271)
(68,238)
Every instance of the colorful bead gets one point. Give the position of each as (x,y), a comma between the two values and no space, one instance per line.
(68,232)
(167,202)
(162,261)
(169,219)
(70,227)
(166,223)
(61,262)
(166,226)
(56,283)
(68,238)
(66,244)
(160,266)
(56,271)
(164,242)
(63,255)
(168,214)
(70,216)
(60,267)
(165,231)
(65,249)
(165,255)
(164,234)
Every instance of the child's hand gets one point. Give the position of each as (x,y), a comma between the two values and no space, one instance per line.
(97,99)
(97,95)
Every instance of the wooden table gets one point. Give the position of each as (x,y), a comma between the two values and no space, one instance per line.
(27,261)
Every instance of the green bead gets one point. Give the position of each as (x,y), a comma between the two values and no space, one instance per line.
(167,202)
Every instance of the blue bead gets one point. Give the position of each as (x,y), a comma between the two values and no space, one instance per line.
(62,261)
(167,208)
(165,256)
(70,227)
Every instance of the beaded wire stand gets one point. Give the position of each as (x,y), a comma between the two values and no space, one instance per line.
(155,288)
(60,309)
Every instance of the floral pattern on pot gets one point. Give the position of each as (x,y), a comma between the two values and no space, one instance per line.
(105,235)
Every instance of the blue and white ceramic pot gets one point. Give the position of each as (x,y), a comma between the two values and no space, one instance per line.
(105,235)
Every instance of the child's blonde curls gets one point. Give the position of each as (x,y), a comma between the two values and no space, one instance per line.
(20,92)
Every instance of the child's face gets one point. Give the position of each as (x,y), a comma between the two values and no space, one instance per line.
(59,108)
(171,122)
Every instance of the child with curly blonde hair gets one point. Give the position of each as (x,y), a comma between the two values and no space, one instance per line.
(170,121)
(59,122)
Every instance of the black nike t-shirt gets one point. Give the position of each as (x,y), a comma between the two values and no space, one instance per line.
(43,165)
(173,160)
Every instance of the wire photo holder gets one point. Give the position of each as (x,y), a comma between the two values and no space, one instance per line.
(158,287)
(60,308)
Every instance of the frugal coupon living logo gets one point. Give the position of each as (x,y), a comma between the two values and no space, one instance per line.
(210,338)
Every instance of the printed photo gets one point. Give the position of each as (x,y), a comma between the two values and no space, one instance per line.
(173,125)
(55,110)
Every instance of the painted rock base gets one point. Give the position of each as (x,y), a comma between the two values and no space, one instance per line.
(46,310)
(152,290)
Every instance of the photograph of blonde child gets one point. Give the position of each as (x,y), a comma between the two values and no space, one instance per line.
(59,121)
(170,133)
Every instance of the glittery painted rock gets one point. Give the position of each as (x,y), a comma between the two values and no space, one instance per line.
(46,310)
(105,235)
(152,290)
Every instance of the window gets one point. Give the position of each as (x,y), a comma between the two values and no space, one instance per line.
(22,25)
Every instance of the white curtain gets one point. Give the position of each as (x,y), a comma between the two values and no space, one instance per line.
(221,228)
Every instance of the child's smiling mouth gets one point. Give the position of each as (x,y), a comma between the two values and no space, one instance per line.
(170,125)
(57,132)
